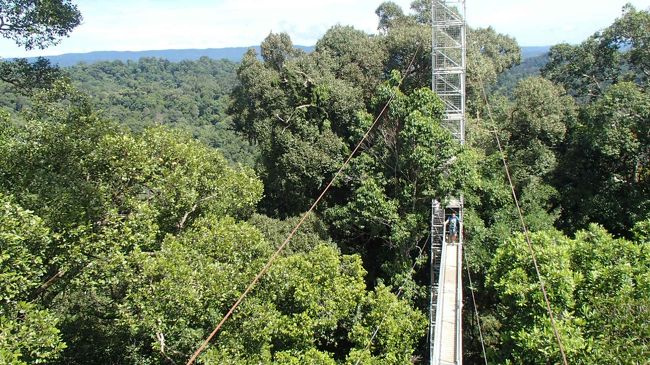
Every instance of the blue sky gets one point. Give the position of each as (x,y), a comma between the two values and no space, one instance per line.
(164,24)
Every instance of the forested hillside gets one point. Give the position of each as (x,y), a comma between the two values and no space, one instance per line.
(191,96)
(138,200)
(233,54)
(508,80)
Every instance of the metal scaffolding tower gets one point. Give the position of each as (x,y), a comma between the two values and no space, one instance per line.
(449,48)
(448,81)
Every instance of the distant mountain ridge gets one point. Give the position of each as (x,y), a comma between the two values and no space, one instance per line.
(534,51)
(176,55)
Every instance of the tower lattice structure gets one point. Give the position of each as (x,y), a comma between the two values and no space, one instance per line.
(449,62)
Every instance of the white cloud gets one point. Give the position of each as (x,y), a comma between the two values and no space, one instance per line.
(163,24)
(550,21)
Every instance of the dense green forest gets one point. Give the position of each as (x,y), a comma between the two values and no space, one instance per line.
(508,80)
(139,199)
(191,96)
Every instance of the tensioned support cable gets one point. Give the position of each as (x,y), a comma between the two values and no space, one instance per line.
(478,318)
(523,224)
(300,223)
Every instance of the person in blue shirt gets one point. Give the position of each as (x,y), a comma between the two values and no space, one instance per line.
(452,227)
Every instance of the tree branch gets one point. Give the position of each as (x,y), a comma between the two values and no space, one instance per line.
(59,274)
(161,338)
(183,220)
(181,224)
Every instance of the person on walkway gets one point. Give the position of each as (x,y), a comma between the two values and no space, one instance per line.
(453,224)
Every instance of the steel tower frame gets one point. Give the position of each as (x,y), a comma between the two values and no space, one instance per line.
(449,62)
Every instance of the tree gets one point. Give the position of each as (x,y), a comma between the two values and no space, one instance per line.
(28,333)
(191,96)
(298,116)
(618,53)
(526,327)
(539,116)
(145,246)
(27,77)
(353,56)
(596,286)
(406,41)
(104,194)
(614,306)
(388,13)
(409,161)
(602,170)
(34,24)
(313,301)
(37,24)
(532,129)
(489,54)
(277,49)
(611,148)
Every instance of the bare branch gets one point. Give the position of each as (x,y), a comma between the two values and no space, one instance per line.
(161,339)
(183,220)
(181,224)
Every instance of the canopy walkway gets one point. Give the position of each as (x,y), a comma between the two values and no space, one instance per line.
(445,327)
(446,255)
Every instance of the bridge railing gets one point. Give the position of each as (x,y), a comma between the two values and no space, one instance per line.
(459,295)
(440,355)
(440,299)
